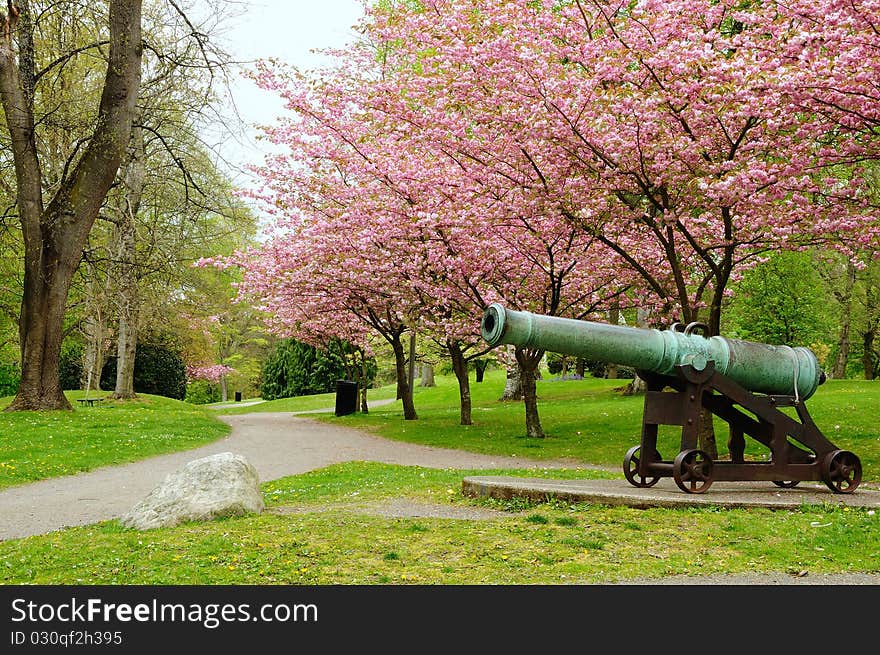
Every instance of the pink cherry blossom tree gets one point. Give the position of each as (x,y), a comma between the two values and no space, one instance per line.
(558,155)
(208,372)
(671,132)
(432,230)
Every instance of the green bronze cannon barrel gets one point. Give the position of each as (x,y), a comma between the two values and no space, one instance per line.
(759,367)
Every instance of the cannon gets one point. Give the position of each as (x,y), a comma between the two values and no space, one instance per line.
(745,384)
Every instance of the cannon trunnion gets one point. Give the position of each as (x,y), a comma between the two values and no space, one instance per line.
(744,384)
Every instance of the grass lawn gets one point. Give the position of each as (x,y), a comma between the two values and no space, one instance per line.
(302,403)
(39,445)
(323,527)
(319,530)
(589,421)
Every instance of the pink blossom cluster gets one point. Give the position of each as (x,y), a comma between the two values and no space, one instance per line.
(561,157)
(209,373)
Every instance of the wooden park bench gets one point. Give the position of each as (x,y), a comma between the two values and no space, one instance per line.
(89,401)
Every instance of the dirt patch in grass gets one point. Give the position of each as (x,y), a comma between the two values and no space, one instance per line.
(401,508)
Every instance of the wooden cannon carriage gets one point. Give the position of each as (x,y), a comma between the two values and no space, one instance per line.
(743,383)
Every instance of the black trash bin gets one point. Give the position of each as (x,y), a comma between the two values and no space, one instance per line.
(238,396)
(346,397)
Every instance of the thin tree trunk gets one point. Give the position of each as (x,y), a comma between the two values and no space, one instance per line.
(460,368)
(224,389)
(706,434)
(93,354)
(411,362)
(54,236)
(129,310)
(843,345)
(358,372)
(362,393)
(614,319)
(480,369)
(869,337)
(637,385)
(404,390)
(126,257)
(843,337)
(528,362)
(868,355)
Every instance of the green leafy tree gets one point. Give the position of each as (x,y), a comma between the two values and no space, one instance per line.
(297,369)
(782,301)
(72,366)
(55,225)
(158,370)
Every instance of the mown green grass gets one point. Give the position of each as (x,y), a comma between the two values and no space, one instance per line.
(302,403)
(586,421)
(330,538)
(39,445)
(589,420)
(320,528)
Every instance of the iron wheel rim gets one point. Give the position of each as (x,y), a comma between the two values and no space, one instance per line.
(692,471)
(841,471)
(631,469)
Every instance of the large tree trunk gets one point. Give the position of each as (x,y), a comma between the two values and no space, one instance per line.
(460,368)
(427,376)
(404,390)
(528,362)
(126,257)
(54,237)
(513,383)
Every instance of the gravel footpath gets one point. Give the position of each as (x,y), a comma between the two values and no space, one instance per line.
(277,444)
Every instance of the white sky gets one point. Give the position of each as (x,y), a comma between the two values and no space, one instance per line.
(288,30)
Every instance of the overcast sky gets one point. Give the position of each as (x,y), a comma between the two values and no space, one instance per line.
(288,30)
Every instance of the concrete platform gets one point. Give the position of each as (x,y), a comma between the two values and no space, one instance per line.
(666,493)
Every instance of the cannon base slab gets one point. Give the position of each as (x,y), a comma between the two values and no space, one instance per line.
(798,450)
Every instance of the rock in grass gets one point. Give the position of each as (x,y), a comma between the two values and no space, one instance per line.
(216,486)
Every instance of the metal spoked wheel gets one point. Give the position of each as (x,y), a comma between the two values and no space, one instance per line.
(786,484)
(841,471)
(631,468)
(692,471)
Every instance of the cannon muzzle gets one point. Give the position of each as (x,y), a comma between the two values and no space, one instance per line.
(759,367)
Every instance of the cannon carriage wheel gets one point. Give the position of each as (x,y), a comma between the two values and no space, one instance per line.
(692,471)
(631,468)
(841,471)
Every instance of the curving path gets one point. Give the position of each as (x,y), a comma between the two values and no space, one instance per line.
(277,444)
(280,444)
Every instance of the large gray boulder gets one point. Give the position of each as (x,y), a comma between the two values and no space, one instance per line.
(216,486)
